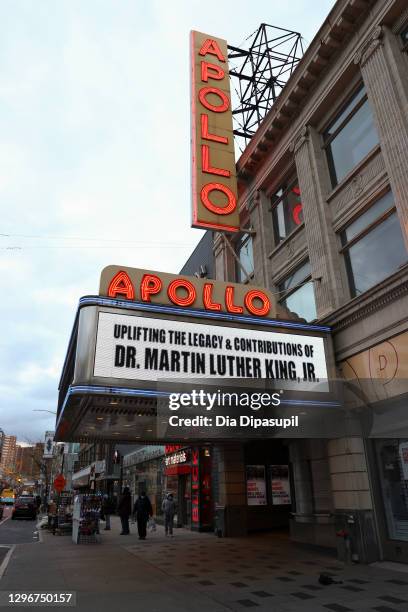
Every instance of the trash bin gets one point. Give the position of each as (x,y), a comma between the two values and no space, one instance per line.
(219,521)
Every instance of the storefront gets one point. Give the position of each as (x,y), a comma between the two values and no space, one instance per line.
(142,471)
(187,473)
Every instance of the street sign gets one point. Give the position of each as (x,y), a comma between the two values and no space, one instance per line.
(59,483)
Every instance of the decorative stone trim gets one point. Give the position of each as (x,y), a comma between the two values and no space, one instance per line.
(301,139)
(363,306)
(369,46)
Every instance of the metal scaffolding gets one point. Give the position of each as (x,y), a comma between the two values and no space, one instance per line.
(259,73)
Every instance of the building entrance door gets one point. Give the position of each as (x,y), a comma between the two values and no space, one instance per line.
(392,463)
(184,500)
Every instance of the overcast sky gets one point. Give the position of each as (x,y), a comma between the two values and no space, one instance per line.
(94,162)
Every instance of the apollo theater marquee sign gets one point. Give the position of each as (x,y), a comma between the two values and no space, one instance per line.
(214,183)
(148,329)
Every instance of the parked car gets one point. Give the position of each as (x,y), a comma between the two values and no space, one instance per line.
(25,507)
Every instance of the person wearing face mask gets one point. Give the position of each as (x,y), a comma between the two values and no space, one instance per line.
(142,510)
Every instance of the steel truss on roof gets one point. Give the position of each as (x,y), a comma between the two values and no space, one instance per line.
(259,73)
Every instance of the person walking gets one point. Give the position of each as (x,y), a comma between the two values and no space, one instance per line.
(107,510)
(169,510)
(142,510)
(124,510)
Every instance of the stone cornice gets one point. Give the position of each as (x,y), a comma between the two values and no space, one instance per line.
(343,20)
(393,288)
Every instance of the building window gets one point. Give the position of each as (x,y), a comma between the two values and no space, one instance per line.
(287,212)
(246,257)
(298,294)
(373,245)
(350,137)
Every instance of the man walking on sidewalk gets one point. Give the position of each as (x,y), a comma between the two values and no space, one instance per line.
(124,510)
(142,509)
(107,510)
(169,509)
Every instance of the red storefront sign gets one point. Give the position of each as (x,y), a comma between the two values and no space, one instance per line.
(195,485)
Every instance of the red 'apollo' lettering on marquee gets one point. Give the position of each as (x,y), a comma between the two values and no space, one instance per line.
(219,210)
(184,292)
(216,108)
(121,285)
(189,288)
(229,301)
(206,164)
(211,93)
(207,298)
(150,285)
(211,71)
(256,294)
(210,47)
(205,135)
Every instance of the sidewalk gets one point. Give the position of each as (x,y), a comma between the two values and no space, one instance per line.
(199,572)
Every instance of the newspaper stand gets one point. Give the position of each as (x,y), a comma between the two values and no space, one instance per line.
(63,524)
(85,525)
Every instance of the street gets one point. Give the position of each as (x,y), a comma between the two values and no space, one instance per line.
(19,531)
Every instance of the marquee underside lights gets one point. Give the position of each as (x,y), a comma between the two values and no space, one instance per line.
(214,183)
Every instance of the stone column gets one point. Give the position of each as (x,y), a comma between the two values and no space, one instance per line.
(262,239)
(352,497)
(230,493)
(383,74)
(314,184)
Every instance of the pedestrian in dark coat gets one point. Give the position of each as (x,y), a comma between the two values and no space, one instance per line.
(142,510)
(124,510)
(169,510)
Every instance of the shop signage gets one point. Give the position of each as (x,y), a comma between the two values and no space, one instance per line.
(59,483)
(49,444)
(142,348)
(214,183)
(187,292)
(176,458)
(280,485)
(256,487)
(172,448)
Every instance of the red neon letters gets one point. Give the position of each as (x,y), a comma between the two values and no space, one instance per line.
(210,47)
(187,286)
(150,285)
(121,285)
(184,292)
(218,210)
(205,156)
(205,135)
(214,203)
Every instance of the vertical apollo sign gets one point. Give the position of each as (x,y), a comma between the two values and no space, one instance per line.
(214,182)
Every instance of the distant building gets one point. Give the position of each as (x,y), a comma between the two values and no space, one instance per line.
(28,460)
(8,454)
